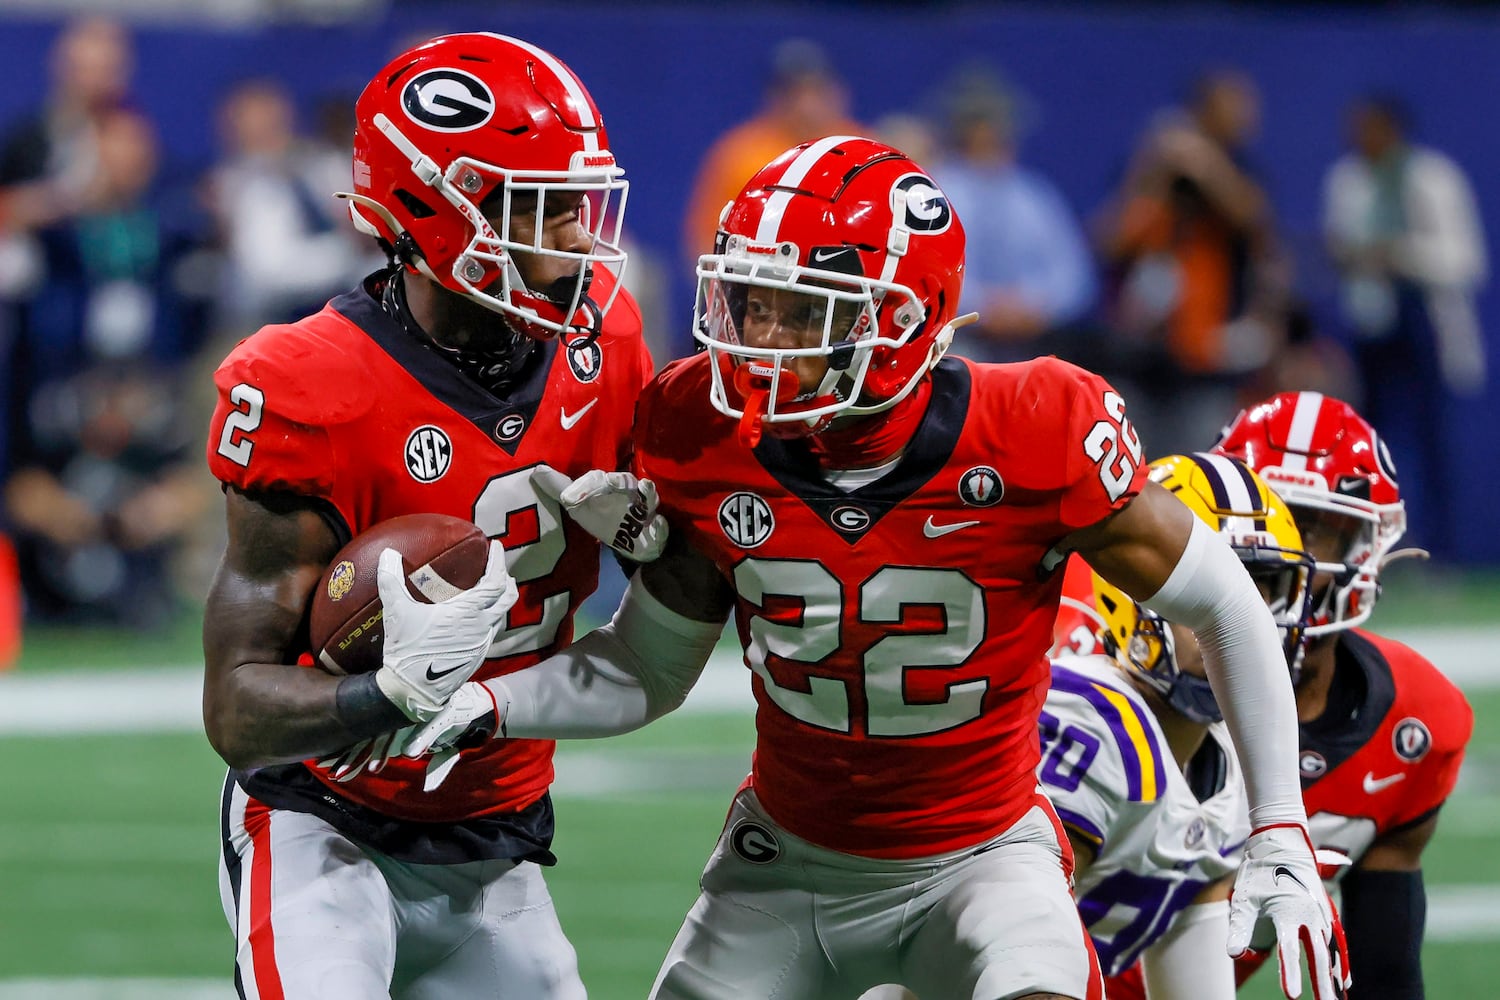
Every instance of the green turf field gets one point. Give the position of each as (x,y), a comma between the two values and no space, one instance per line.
(108,850)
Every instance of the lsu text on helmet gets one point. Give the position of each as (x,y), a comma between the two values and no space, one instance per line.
(455,137)
(1247,513)
(832,289)
(1335,472)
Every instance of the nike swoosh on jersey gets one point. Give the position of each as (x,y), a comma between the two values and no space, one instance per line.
(569,419)
(1373,784)
(932,530)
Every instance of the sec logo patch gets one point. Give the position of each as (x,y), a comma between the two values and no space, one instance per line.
(429,452)
(746,519)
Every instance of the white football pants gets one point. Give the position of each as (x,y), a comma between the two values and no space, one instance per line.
(782,919)
(318,916)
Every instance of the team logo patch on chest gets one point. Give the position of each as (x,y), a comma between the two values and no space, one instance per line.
(1411,740)
(429,452)
(584,361)
(1312,764)
(510,427)
(981,486)
(849,518)
(746,519)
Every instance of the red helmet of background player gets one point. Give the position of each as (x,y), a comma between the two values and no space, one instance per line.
(1333,469)
(869,237)
(470,120)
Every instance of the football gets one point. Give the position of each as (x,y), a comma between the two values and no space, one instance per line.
(440,555)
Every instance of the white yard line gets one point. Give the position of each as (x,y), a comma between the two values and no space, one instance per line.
(168,699)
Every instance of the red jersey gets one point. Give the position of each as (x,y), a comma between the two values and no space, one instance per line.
(348,407)
(1387,756)
(898,631)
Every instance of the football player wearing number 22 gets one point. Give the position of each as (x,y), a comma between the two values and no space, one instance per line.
(886,526)
(497,340)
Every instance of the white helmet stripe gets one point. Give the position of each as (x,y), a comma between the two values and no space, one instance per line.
(1304,420)
(770,221)
(1230,484)
(569,82)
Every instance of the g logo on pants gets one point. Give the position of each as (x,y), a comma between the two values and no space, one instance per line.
(754,843)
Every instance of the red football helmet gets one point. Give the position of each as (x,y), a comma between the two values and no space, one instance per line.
(1335,472)
(865,245)
(471,120)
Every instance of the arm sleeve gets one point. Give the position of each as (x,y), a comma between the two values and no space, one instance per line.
(1385,913)
(1210,593)
(1189,961)
(616,679)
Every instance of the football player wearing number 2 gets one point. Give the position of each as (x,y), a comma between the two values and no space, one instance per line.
(885,524)
(498,339)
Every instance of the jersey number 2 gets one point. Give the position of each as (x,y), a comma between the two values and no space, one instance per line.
(234,442)
(882,598)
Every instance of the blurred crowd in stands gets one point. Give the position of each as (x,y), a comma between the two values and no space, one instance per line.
(122,284)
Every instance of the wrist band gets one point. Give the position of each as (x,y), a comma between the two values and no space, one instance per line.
(363,708)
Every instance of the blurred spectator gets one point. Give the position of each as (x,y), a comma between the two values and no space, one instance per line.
(1198,277)
(104,481)
(287,243)
(47,161)
(1403,228)
(1029,270)
(913,134)
(804,99)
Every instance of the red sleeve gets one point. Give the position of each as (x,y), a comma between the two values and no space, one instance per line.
(1102,455)
(1451,722)
(271,424)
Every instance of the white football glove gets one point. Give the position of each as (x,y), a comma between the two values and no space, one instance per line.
(1278,895)
(369,756)
(431,650)
(614,507)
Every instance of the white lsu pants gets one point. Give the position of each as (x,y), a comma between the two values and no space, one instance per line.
(317,916)
(782,919)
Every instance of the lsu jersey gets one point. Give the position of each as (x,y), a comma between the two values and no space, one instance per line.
(349,408)
(897,631)
(1111,777)
(1386,756)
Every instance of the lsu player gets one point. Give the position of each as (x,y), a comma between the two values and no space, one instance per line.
(1382,730)
(496,340)
(885,523)
(1139,765)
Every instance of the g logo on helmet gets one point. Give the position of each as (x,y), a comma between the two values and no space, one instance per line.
(921,205)
(448,100)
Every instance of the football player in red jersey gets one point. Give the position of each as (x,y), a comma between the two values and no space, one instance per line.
(1383,731)
(885,525)
(498,339)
